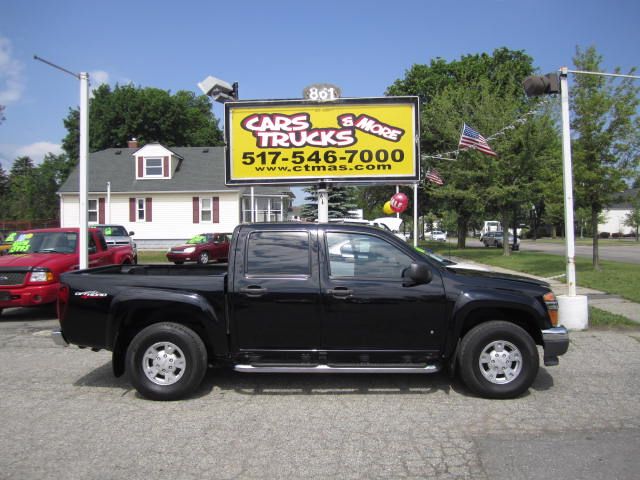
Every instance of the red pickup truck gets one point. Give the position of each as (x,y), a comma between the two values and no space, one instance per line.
(30,272)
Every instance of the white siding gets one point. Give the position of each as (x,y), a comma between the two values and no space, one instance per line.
(172,215)
(614,221)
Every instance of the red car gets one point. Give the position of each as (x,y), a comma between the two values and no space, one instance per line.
(202,249)
(30,272)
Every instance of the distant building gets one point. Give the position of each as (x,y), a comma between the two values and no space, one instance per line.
(167,195)
(616,213)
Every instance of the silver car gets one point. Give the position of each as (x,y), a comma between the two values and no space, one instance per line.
(116,235)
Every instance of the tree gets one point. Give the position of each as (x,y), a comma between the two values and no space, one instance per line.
(148,114)
(4,194)
(484,91)
(50,175)
(23,200)
(341,202)
(606,127)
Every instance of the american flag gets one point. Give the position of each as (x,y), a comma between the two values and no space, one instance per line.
(434,177)
(472,139)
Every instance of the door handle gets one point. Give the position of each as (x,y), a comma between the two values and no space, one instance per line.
(253,291)
(340,292)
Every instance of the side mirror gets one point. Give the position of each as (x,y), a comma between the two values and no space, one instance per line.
(418,274)
(131,234)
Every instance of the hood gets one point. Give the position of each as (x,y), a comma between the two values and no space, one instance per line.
(31,259)
(506,277)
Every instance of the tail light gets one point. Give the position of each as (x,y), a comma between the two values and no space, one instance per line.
(552,307)
(63,302)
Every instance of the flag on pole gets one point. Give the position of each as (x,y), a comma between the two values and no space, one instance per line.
(434,177)
(472,139)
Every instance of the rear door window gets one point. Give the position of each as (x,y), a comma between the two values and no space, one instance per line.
(278,253)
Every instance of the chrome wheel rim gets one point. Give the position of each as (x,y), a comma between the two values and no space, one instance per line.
(204,257)
(500,362)
(164,363)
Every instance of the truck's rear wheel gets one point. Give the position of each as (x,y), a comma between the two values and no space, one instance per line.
(498,360)
(166,361)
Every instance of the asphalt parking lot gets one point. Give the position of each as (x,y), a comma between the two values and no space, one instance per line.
(65,416)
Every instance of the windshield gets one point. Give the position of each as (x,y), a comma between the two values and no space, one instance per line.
(197,239)
(113,231)
(45,242)
(11,237)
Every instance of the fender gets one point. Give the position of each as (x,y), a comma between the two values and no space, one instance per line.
(126,303)
(472,300)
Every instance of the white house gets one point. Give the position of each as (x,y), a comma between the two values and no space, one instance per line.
(615,214)
(167,195)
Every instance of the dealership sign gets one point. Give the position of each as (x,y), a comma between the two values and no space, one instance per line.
(352,140)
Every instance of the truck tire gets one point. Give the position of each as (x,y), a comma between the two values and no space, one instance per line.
(498,359)
(166,361)
(203,258)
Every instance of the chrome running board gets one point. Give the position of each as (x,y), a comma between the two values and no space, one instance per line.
(329,369)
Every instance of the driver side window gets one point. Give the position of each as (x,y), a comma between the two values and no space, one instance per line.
(364,256)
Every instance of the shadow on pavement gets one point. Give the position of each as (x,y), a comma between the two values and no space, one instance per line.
(45,312)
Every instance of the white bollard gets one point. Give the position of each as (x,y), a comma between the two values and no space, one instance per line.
(573,312)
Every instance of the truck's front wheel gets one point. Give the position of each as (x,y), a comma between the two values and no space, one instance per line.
(166,361)
(498,360)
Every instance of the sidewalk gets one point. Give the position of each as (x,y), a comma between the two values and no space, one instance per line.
(602,300)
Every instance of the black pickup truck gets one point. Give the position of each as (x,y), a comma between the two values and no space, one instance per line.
(312,298)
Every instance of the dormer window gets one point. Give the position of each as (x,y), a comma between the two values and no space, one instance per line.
(153,161)
(153,167)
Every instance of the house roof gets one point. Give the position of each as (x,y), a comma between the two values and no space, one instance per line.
(623,200)
(200,170)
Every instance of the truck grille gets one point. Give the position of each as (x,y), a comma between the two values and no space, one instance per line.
(12,278)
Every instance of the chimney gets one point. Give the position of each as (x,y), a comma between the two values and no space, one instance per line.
(133,143)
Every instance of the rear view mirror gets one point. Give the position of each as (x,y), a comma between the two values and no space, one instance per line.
(418,274)
(131,234)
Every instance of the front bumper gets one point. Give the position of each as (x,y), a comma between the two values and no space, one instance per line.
(58,338)
(29,295)
(182,257)
(555,342)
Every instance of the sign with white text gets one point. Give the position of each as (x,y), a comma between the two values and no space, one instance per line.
(350,140)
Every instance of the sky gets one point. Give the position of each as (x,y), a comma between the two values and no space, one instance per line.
(272,48)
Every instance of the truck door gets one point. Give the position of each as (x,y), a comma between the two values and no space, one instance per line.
(98,253)
(366,303)
(275,296)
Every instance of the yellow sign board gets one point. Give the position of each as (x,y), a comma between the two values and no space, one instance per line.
(361,140)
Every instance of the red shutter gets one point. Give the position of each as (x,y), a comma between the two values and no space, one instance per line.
(215,209)
(101,210)
(166,166)
(132,209)
(148,214)
(196,209)
(140,167)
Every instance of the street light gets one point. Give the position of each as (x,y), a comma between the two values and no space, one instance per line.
(83,169)
(221,91)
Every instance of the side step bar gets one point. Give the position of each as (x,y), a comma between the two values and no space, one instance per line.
(330,369)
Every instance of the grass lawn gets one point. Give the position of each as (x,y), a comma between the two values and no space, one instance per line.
(601,319)
(152,256)
(615,277)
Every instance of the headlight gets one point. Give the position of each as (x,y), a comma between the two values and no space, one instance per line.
(41,276)
(189,250)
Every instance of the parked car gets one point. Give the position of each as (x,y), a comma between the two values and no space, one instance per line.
(5,245)
(438,236)
(30,272)
(202,249)
(116,235)
(495,239)
(313,298)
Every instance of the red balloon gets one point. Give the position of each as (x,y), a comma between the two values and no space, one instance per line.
(399,202)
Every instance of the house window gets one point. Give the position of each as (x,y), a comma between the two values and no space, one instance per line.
(205,209)
(140,210)
(153,167)
(268,209)
(92,211)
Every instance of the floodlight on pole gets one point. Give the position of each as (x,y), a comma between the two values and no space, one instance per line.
(83,167)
